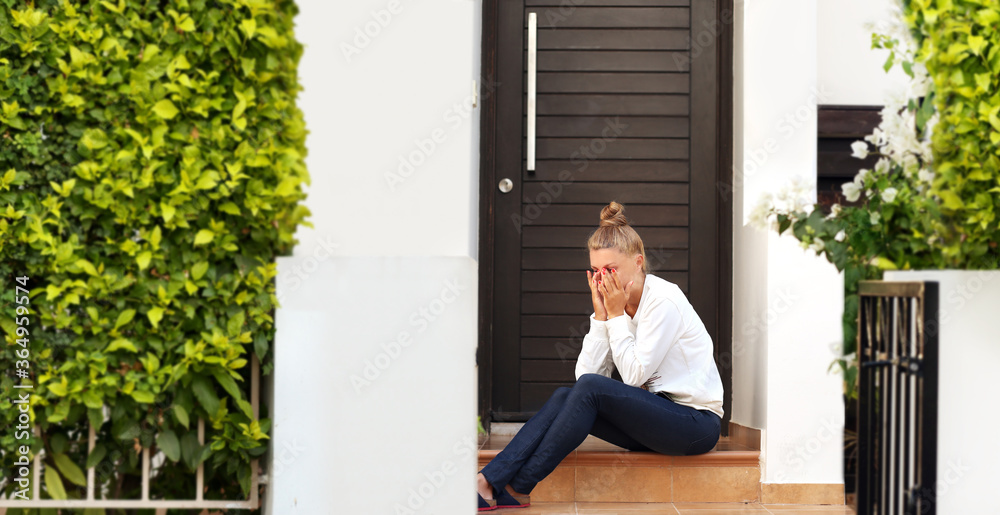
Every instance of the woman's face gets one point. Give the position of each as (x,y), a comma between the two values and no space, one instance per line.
(627,268)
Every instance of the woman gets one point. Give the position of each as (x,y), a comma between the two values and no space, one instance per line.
(669,400)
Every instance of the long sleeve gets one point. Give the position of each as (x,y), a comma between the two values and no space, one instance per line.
(595,356)
(659,327)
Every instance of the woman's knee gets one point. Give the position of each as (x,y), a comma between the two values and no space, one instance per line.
(590,381)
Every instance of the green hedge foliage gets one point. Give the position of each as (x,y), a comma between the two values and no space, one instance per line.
(959,42)
(151,168)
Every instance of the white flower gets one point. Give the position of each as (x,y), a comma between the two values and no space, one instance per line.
(862,175)
(882,167)
(860,149)
(851,190)
(877,137)
(761,212)
(889,195)
(818,245)
(841,236)
(925,175)
(834,211)
(875,217)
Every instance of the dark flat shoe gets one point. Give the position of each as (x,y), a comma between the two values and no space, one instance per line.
(486,505)
(504,499)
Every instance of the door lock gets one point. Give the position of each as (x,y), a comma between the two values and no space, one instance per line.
(506,185)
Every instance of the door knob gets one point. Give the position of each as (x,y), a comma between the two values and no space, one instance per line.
(506,185)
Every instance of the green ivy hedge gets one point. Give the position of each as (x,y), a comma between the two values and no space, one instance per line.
(151,168)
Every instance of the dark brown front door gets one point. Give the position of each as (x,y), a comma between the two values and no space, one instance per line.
(628,109)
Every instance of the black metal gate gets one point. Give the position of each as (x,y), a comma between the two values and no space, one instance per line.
(897,405)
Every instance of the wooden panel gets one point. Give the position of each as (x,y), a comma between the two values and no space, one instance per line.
(548,370)
(589,215)
(624,105)
(597,17)
(582,170)
(534,395)
(611,39)
(596,192)
(608,127)
(576,281)
(557,303)
(549,325)
(579,259)
(613,60)
(576,237)
(847,121)
(612,82)
(658,148)
(554,348)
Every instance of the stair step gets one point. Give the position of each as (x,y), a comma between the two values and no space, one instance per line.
(598,471)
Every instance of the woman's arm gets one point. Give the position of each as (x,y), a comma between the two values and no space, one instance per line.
(658,328)
(595,356)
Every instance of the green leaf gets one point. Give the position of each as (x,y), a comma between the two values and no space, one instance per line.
(155,237)
(165,109)
(199,269)
(155,314)
(54,484)
(124,317)
(86,266)
(167,211)
(204,236)
(951,200)
(181,414)
(205,394)
(235,324)
(91,399)
(191,449)
(121,343)
(143,396)
(168,443)
(70,470)
(96,455)
(143,259)
(59,389)
(228,383)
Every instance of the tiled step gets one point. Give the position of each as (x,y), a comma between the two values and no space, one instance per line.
(598,471)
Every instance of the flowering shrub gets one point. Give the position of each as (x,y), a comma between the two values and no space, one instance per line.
(930,200)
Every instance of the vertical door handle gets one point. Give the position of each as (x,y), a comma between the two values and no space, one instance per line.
(532,69)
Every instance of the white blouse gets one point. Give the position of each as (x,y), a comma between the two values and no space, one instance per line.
(665,348)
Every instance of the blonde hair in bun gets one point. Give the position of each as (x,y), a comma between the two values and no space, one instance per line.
(616,233)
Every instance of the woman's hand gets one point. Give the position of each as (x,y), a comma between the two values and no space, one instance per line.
(595,295)
(615,296)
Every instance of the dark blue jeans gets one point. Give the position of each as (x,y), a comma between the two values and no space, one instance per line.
(611,410)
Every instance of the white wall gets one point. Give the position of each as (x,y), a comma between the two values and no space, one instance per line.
(849,69)
(394,140)
(378,322)
(787,303)
(969,350)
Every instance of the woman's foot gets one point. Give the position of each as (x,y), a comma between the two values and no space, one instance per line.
(483,487)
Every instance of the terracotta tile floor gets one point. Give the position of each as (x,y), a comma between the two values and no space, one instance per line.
(589,508)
